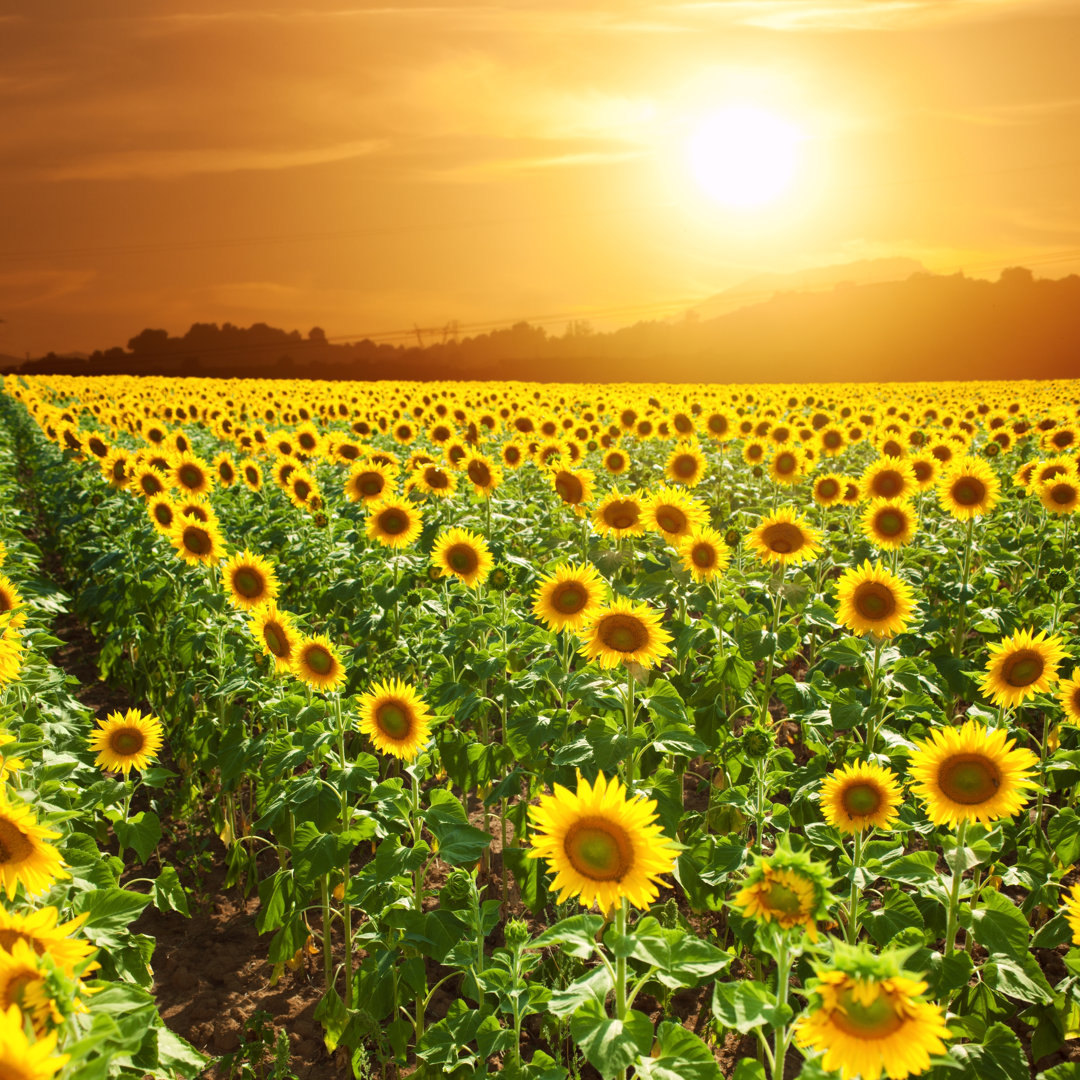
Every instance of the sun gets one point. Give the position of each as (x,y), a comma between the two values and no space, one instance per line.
(743,156)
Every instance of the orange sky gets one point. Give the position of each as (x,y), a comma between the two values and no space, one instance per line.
(367,167)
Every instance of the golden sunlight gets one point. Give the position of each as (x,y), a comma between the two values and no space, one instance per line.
(743,156)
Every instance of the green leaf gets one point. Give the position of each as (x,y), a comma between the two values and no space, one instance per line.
(576,935)
(1067,1070)
(316,853)
(1053,932)
(916,868)
(999,1057)
(594,985)
(141,832)
(1064,834)
(460,844)
(1021,979)
(748,1069)
(681,741)
(746,1005)
(529,875)
(611,1046)
(446,1043)
(683,1056)
(999,925)
(681,958)
(111,912)
(168,893)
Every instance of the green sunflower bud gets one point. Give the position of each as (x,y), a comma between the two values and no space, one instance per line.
(1058,580)
(756,743)
(517,934)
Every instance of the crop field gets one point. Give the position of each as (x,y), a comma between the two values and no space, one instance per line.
(539,730)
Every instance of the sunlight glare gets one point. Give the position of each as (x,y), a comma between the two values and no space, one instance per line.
(743,156)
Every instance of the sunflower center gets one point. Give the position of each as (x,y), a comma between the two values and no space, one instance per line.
(832,439)
(392,522)
(717,425)
(878,1020)
(623,633)
(1062,494)
(861,799)
(969,491)
(370,483)
(782,899)
(480,474)
(889,523)
(874,601)
(703,555)
(621,515)
(888,483)
(225,472)
(828,489)
(196,540)
(14,846)
(1022,668)
(783,537)
(970,779)
(570,488)
(277,641)
(923,471)
(151,484)
(437,479)
(569,598)
(685,465)
(615,462)
(785,463)
(394,720)
(163,514)
(248,583)
(126,741)
(599,849)
(302,489)
(191,476)
(462,559)
(318,659)
(671,519)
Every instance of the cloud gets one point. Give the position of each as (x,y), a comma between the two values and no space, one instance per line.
(31,288)
(167,164)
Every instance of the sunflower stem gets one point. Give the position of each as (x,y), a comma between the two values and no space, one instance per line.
(782,1034)
(345,821)
(328,955)
(777,604)
(852,928)
(954,892)
(961,618)
(1044,742)
(418,891)
(620,962)
(875,705)
(630,709)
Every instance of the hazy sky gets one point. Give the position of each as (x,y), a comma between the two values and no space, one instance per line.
(367,167)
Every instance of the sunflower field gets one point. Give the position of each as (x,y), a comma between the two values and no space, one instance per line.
(646,731)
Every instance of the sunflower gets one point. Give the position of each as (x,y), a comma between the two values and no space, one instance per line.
(484,475)
(573,486)
(196,508)
(828,489)
(24,983)
(861,796)
(674,514)
(8,765)
(569,596)
(787,467)
(888,478)
(11,601)
(619,515)
(755,451)
(1072,912)
(11,650)
(786,887)
(197,541)
(969,489)
(190,474)
(889,523)
(25,856)
(395,718)
(719,425)
(23,1059)
(40,932)
(616,461)
(873,601)
(303,490)
(784,537)
(925,467)
(1021,666)
(368,483)
(1060,494)
(601,845)
(1069,696)
(276,633)
(513,455)
(869,1018)
(225,469)
(251,474)
(249,580)
(685,465)
(832,440)
(704,553)
(463,554)
(147,482)
(162,513)
(117,467)
(316,662)
(624,631)
(126,741)
(434,480)
(394,523)
(971,774)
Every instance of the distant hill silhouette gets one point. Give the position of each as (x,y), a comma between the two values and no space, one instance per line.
(926,327)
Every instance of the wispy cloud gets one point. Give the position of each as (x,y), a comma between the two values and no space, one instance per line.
(167,164)
(30,288)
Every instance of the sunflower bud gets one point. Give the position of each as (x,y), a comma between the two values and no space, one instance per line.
(1058,580)
(517,934)
(731,537)
(756,743)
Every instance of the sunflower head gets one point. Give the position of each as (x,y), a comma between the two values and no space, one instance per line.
(674,514)
(26,857)
(395,718)
(872,600)
(190,474)
(784,537)
(315,661)
(573,486)
(828,489)
(1021,666)
(619,515)
(601,844)
(704,553)
(393,523)
(1072,912)
(868,1016)
(685,465)
(196,541)
(249,580)
(462,554)
(861,796)
(126,741)
(969,488)
(567,597)
(787,888)
(624,632)
(1069,697)
(971,774)
(276,634)
(368,483)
